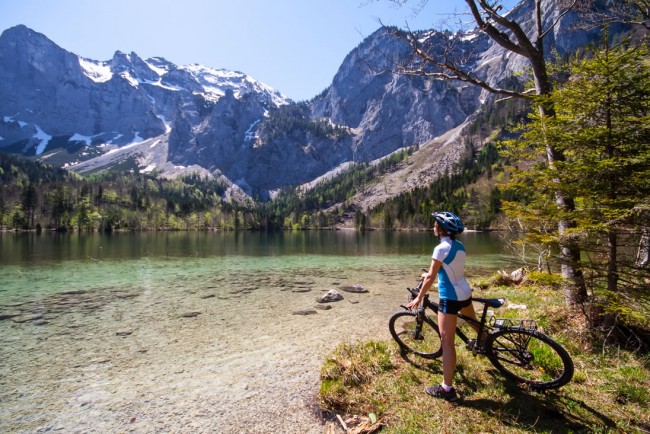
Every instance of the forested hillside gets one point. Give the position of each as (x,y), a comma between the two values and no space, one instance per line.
(36,196)
(456,191)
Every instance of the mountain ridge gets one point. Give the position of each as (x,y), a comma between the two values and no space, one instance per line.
(226,124)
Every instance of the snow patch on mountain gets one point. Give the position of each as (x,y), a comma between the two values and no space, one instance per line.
(99,72)
(8,119)
(43,138)
(158,65)
(81,138)
(216,82)
(132,80)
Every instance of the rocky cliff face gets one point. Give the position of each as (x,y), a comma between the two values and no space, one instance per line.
(391,111)
(49,93)
(56,105)
(54,100)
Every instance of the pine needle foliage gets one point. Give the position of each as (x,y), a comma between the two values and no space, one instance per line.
(602,127)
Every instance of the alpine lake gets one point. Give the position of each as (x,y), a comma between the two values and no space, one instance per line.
(195,331)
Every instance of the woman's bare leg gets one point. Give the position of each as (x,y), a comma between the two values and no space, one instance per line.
(469,312)
(447,323)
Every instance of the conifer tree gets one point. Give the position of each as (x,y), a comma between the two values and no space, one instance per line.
(602,127)
(502,28)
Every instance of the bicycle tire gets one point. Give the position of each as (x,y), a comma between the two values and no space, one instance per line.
(402,325)
(530,357)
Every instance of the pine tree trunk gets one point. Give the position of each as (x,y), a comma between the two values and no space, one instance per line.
(574,288)
(643,254)
(612,267)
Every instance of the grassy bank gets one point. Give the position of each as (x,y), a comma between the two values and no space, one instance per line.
(609,391)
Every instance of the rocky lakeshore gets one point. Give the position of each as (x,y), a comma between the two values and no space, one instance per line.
(179,352)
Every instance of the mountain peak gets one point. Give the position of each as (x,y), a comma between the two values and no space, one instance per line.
(70,109)
(23,36)
(19,30)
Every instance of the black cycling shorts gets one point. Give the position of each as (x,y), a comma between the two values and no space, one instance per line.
(452,307)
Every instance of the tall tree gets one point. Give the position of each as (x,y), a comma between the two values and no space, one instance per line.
(605,124)
(29,200)
(602,126)
(504,30)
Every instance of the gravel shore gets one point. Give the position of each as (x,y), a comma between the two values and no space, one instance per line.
(192,359)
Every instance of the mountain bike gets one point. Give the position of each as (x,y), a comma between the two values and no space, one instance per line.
(514,346)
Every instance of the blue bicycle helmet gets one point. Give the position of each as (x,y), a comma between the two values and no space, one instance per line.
(450,221)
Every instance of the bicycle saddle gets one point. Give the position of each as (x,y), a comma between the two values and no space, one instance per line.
(492,302)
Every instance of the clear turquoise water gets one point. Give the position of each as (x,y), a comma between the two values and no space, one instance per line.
(67,366)
(33,266)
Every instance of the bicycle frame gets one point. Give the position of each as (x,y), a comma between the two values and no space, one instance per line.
(514,346)
(482,324)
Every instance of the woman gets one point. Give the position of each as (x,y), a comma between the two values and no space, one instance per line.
(448,263)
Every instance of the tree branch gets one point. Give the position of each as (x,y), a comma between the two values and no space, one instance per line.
(568,9)
(453,71)
(495,34)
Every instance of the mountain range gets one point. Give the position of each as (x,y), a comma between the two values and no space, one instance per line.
(150,115)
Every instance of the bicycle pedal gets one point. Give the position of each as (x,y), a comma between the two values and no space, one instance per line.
(471,344)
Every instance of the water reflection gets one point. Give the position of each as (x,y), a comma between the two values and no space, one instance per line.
(30,248)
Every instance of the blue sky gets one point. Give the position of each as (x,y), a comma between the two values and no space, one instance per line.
(295,46)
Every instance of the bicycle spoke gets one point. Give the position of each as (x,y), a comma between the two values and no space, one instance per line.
(530,357)
(419,336)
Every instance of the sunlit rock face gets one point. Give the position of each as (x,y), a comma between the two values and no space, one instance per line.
(81,113)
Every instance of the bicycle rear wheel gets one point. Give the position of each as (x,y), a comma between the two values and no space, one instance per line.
(416,335)
(530,357)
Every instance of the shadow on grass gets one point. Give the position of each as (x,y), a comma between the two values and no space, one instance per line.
(537,411)
(432,366)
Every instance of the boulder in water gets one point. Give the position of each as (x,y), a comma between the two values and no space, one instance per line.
(354,288)
(330,296)
(305,312)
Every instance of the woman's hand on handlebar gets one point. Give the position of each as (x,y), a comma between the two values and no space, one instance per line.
(414,303)
(418,300)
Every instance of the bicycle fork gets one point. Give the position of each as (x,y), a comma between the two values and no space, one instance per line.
(419,321)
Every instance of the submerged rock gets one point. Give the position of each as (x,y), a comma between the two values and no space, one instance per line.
(331,295)
(8,315)
(305,312)
(354,288)
(301,290)
(27,318)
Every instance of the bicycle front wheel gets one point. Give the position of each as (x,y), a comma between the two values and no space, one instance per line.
(530,357)
(416,335)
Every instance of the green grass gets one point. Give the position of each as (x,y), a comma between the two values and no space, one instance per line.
(608,393)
